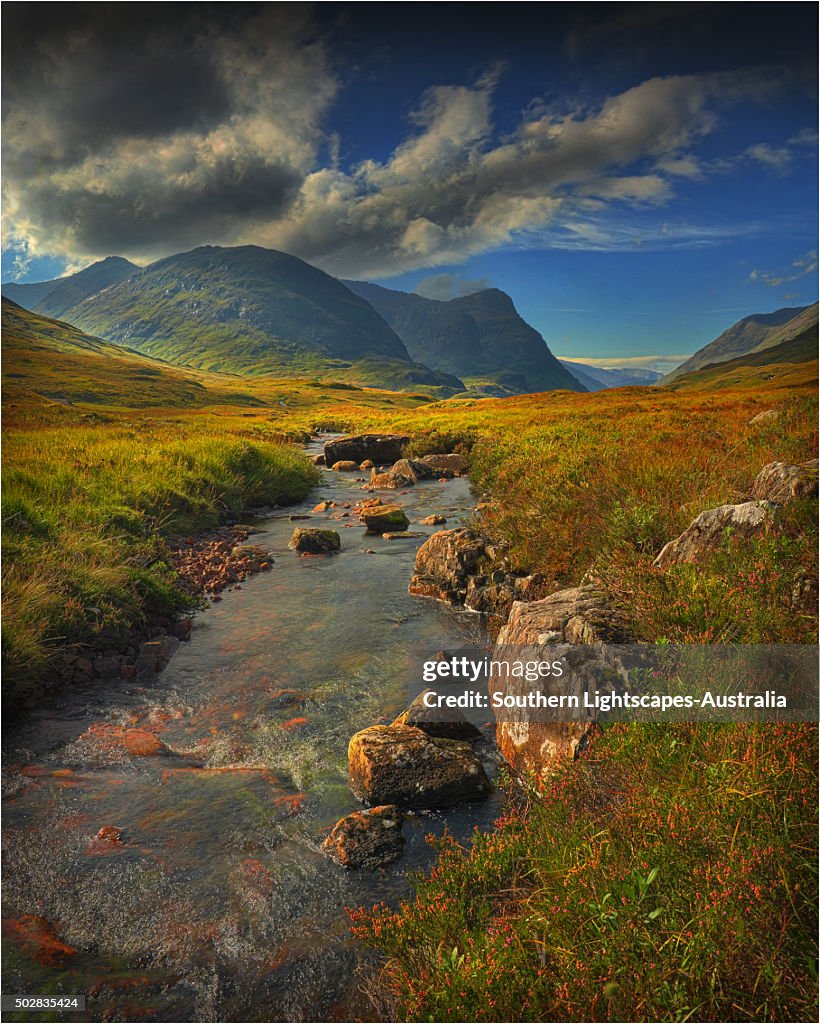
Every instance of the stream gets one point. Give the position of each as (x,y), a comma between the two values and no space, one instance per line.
(207,896)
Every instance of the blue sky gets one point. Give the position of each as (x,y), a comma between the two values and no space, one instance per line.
(637,177)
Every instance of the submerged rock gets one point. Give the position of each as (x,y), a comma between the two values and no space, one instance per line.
(447,723)
(314,541)
(385,518)
(709,532)
(379,448)
(39,939)
(433,520)
(445,562)
(345,466)
(367,839)
(403,765)
(781,482)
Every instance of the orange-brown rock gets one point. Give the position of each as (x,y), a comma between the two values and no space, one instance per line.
(579,615)
(399,764)
(39,939)
(137,742)
(367,839)
(106,842)
(384,518)
(453,462)
(445,562)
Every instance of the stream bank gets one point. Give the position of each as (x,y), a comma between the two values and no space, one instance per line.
(166,832)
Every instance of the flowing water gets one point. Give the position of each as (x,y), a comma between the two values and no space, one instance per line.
(214,900)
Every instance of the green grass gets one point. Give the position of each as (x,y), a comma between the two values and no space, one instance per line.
(669,875)
(85,511)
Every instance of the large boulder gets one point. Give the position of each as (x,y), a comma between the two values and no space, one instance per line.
(450,463)
(445,722)
(314,541)
(367,839)
(578,616)
(710,531)
(389,480)
(399,764)
(379,448)
(445,562)
(385,518)
(412,469)
(781,482)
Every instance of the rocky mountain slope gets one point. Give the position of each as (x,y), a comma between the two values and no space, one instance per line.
(479,337)
(751,334)
(252,311)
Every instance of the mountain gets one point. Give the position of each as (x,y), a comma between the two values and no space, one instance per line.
(750,334)
(59,362)
(479,337)
(786,364)
(598,378)
(252,311)
(53,298)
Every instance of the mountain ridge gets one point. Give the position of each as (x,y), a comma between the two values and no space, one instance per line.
(749,334)
(480,337)
(254,311)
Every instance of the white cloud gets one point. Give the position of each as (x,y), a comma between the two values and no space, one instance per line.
(800,267)
(236,124)
(450,286)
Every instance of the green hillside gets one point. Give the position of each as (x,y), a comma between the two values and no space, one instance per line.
(751,334)
(252,311)
(792,362)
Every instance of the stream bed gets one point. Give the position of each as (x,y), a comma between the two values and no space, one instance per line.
(206,896)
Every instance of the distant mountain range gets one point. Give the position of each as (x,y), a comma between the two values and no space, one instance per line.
(55,298)
(598,378)
(258,312)
(480,337)
(241,310)
(754,333)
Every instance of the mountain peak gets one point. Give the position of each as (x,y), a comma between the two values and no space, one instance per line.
(479,337)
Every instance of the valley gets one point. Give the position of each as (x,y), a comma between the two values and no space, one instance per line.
(141,494)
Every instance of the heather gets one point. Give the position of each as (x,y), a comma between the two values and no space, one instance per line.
(668,874)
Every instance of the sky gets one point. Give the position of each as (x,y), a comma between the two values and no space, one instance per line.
(637,177)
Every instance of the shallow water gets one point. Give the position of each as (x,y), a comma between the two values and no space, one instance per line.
(219,905)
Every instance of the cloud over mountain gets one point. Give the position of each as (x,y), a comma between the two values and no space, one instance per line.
(211,125)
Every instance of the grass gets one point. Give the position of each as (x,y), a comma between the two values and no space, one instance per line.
(669,875)
(85,510)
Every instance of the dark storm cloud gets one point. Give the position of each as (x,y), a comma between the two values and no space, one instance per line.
(142,129)
(102,72)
